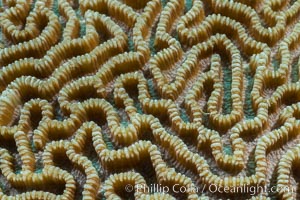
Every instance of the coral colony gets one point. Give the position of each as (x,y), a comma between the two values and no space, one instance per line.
(149,99)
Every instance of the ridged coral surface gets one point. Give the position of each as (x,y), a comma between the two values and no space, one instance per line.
(149,99)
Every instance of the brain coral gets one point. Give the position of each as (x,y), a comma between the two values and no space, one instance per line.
(149,99)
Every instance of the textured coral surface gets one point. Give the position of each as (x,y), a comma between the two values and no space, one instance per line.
(149,99)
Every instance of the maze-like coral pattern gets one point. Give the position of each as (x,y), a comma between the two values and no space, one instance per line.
(99,94)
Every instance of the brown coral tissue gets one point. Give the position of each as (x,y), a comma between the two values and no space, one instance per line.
(149,99)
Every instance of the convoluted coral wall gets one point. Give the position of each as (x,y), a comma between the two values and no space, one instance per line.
(149,99)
